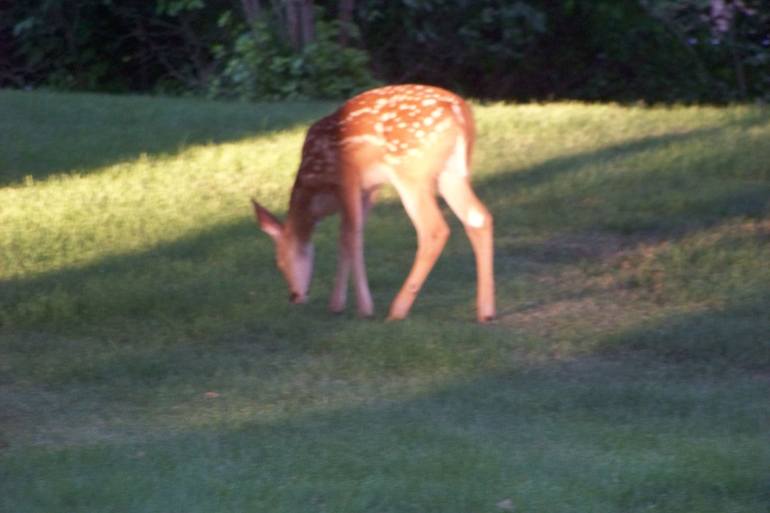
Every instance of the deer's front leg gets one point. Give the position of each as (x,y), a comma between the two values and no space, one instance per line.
(339,295)
(354,208)
(344,261)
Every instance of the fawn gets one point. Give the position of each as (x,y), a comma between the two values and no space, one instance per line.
(419,139)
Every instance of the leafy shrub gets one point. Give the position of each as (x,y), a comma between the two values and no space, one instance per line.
(262,66)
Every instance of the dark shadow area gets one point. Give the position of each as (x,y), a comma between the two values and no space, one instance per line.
(82,133)
(541,437)
(736,335)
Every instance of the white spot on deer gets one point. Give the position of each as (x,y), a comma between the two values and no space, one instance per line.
(437,113)
(363,139)
(429,101)
(427,121)
(475,218)
(379,127)
(359,112)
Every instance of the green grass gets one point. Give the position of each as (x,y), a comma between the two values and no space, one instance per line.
(149,360)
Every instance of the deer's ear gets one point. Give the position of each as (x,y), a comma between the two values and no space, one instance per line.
(267,221)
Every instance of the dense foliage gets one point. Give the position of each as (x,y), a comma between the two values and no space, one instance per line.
(655,50)
(261,65)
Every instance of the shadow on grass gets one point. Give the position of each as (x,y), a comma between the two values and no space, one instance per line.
(588,434)
(84,132)
(737,335)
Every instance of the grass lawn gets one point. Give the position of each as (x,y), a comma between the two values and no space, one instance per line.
(149,360)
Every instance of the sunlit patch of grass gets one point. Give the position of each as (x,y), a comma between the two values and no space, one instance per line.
(149,359)
(130,206)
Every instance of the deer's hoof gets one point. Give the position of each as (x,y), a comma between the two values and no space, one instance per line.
(487,319)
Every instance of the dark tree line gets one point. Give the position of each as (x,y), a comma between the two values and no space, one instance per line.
(655,50)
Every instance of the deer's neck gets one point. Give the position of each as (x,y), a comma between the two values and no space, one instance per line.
(300,221)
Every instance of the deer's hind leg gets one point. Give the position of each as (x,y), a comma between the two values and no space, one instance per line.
(455,188)
(420,203)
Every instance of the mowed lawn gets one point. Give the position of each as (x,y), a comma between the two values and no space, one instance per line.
(150,361)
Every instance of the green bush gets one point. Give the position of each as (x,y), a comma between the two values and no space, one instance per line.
(262,66)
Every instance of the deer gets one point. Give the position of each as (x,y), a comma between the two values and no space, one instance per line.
(419,139)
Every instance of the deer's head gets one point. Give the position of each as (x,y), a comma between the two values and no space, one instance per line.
(293,256)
